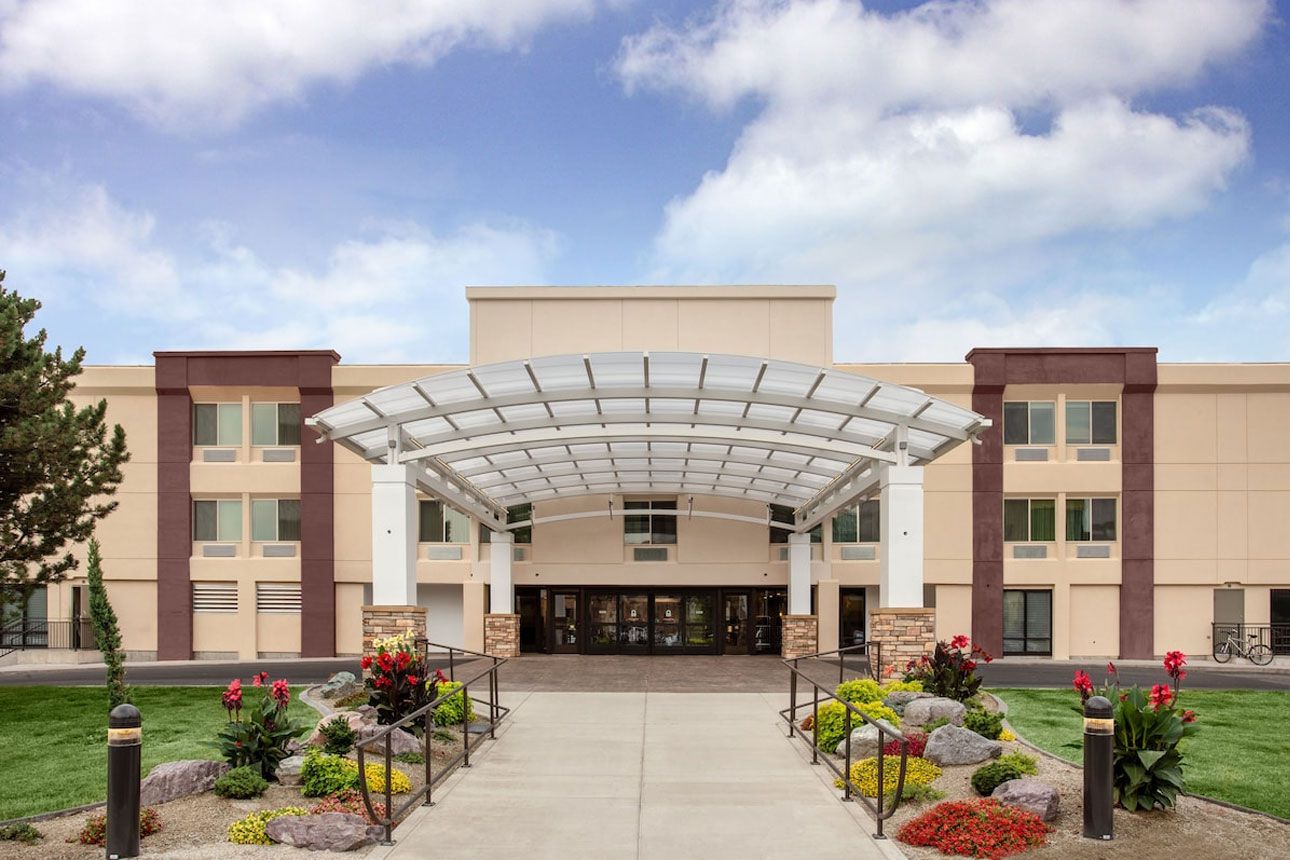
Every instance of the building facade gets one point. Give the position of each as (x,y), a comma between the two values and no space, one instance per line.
(1117,506)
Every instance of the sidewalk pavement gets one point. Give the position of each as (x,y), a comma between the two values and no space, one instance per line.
(639,776)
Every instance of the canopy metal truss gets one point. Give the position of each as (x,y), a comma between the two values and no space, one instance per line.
(491,436)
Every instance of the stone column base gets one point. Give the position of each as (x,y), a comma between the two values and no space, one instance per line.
(801,635)
(381,622)
(502,634)
(905,634)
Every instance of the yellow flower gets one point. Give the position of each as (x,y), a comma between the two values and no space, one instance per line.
(864,774)
(1007,735)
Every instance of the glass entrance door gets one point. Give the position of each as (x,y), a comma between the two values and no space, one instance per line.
(633,623)
(769,605)
(700,623)
(736,639)
(530,605)
(602,623)
(564,623)
(851,623)
(667,624)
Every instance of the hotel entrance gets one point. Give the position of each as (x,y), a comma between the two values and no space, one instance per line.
(650,621)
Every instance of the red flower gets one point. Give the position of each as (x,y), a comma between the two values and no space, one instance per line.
(1161,696)
(1189,716)
(366,662)
(1174,661)
(385,661)
(959,641)
(1083,685)
(402,659)
(1110,668)
(281,693)
(412,679)
(440,677)
(969,665)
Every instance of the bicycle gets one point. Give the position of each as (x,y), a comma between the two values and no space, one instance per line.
(1256,652)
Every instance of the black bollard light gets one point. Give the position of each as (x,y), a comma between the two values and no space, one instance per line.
(1099,760)
(125,749)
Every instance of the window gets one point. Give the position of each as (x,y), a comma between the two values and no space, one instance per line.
(1090,519)
(275,423)
(1090,422)
(275,519)
(217,424)
(857,524)
(1027,622)
(277,597)
(514,514)
(784,514)
(1029,422)
(1029,520)
(651,522)
(217,520)
(442,524)
(214,597)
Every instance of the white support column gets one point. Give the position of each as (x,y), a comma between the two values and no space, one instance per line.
(901,533)
(394,535)
(501,599)
(799,573)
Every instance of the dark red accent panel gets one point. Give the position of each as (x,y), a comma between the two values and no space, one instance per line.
(174,512)
(317,538)
(987,517)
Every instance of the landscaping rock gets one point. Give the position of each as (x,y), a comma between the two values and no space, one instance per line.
(865,741)
(921,711)
(400,741)
(330,831)
(899,699)
(289,770)
(339,686)
(357,721)
(957,745)
(1030,794)
(175,779)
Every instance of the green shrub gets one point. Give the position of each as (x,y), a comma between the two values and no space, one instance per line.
(919,792)
(242,783)
(250,830)
(445,736)
(95,830)
(1014,766)
(353,700)
(453,710)
(932,725)
(859,690)
(986,724)
(338,737)
(410,758)
(902,687)
(21,832)
(833,727)
(323,774)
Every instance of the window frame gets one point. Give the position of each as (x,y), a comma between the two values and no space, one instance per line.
(1030,421)
(220,505)
(514,514)
(860,521)
(277,521)
(219,442)
(1030,519)
(1088,517)
(444,520)
(1090,423)
(784,514)
(662,509)
(1026,638)
(277,423)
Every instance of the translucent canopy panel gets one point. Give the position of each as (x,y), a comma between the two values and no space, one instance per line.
(568,425)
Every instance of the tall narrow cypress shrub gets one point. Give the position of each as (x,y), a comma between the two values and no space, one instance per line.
(107,633)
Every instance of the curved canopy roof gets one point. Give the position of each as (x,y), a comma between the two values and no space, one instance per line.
(635,422)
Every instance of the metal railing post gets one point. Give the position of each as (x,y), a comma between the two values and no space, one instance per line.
(792,699)
(389,793)
(815,725)
(881,815)
(492,701)
(846,780)
(429,749)
(465,726)
(452,669)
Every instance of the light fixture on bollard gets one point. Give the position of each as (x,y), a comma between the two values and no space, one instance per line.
(1099,757)
(125,749)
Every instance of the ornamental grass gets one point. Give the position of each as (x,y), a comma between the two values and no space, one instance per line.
(975,828)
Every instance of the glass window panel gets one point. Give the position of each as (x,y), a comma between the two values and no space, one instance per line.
(635,505)
(288,423)
(1016,518)
(205,521)
(264,423)
(230,519)
(668,505)
(456,526)
(845,526)
(288,519)
(1102,517)
(636,528)
(602,608)
(1016,423)
(264,519)
(1014,615)
(663,529)
(870,521)
(1077,422)
(430,529)
(205,424)
(230,424)
(1038,614)
(1077,520)
(1043,519)
(1043,423)
(1104,430)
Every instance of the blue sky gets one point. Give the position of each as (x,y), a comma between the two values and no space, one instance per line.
(1018,172)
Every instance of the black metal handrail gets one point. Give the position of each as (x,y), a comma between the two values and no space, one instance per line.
(878,808)
(42,635)
(1275,636)
(424,717)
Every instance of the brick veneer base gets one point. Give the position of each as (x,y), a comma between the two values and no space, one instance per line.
(905,634)
(502,634)
(801,635)
(380,622)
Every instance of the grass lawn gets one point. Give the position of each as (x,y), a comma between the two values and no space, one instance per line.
(1241,753)
(54,739)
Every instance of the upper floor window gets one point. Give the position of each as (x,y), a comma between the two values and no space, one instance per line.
(649,522)
(275,423)
(1029,422)
(442,524)
(217,424)
(514,514)
(217,520)
(275,519)
(1090,519)
(1029,520)
(1090,422)
(784,514)
(857,524)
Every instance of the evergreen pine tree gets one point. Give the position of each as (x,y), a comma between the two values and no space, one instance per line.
(107,633)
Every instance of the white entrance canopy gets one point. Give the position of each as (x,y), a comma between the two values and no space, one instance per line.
(488,437)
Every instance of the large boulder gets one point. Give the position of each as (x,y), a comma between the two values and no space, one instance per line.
(357,721)
(175,779)
(866,742)
(339,686)
(400,741)
(899,699)
(329,831)
(289,769)
(1030,794)
(957,745)
(922,711)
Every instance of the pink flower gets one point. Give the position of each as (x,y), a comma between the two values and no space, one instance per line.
(1110,667)
(1161,696)
(281,693)
(1083,685)
(1189,716)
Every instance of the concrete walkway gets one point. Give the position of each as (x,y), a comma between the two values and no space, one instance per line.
(672,776)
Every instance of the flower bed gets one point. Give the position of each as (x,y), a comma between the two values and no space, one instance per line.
(975,828)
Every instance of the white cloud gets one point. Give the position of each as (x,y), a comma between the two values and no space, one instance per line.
(1250,321)
(893,151)
(394,294)
(214,61)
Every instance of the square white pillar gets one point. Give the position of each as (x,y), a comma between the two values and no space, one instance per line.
(799,574)
(501,596)
(394,535)
(901,532)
